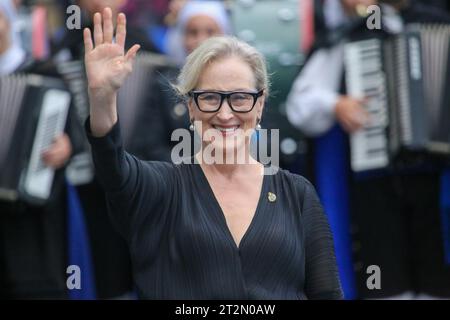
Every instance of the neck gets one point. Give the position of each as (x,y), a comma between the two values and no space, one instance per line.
(231,170)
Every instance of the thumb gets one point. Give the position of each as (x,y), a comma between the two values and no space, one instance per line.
(363,101)
(131,53)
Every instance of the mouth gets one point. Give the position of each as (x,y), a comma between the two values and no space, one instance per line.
(226,130)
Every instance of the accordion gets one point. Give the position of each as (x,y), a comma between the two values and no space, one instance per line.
(33,111)
(406,79)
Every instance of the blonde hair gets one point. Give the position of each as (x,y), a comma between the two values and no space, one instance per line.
(216,48)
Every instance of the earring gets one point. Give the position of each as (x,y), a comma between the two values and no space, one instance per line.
(191,127)
(258,126)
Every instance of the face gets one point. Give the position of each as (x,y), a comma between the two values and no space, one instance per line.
(199,28)
(226,130)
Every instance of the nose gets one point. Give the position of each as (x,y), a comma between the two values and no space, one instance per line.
(225,113)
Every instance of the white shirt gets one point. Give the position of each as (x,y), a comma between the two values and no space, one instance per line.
(314,94)
(311,102)
(11,60)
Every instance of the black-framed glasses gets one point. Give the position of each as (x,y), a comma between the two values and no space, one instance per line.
(239,101)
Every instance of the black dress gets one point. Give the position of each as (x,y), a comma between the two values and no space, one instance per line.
(181,247)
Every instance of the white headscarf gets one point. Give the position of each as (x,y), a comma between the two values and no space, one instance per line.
(334,14)
(15,55)
(213,9)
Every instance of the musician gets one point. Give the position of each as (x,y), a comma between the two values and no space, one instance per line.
(395,215)
(33,238)
(197,21)
(202,230)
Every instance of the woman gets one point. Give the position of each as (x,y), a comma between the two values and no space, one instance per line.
(207,231)
(196,22)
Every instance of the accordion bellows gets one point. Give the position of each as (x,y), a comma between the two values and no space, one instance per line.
(407,79)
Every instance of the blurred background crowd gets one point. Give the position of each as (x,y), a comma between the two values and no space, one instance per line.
(396,217)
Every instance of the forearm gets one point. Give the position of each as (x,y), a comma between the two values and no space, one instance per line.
(321,268)
(103,112)
(312,110)
(111,166)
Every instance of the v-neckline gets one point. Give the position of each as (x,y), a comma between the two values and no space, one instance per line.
(221,215)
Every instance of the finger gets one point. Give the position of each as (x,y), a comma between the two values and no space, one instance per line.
(362,116)
(357,123)
(88,46)
(108,28)
(346,125)
(132,52)
(54,162)
(351,128)
(121,32)
(364,100)
(51,152)
(98,33)
(59,138)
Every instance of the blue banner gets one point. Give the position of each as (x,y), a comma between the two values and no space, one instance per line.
(331,171)
(79,252)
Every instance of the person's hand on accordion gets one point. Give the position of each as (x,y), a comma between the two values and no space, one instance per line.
(351,114)
(58,153)
(107,66)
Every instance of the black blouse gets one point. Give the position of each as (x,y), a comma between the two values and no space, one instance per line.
(181,246)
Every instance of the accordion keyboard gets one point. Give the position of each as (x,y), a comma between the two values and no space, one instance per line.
(38,178)
(365,79)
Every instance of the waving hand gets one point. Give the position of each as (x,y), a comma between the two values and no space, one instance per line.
(107,66)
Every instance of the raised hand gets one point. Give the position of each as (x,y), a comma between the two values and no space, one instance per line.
(107,66)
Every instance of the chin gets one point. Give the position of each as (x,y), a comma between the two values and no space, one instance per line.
(232,150)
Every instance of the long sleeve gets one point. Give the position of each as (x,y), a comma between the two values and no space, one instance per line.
(134,188)
(310,104)
(321,273)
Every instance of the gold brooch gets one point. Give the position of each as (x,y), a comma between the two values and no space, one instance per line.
(271,196)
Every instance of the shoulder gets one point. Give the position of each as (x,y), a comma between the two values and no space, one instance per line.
(164,167)
(296,185)
(168,170)
(292,178)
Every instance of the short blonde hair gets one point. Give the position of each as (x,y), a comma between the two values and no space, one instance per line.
(216,48)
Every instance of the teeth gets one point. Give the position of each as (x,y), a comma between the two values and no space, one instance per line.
(226,129)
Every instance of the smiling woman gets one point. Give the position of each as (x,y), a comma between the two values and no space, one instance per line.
(225,82)
(207,231)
